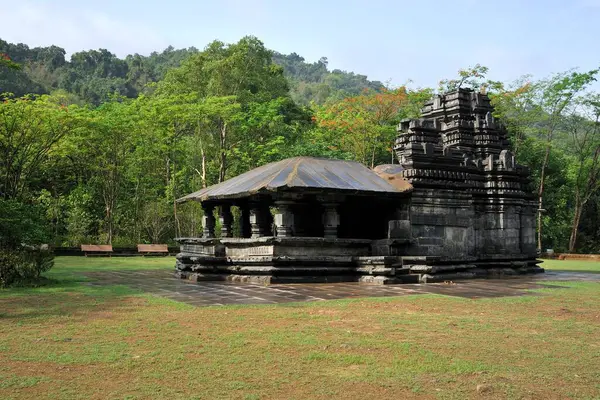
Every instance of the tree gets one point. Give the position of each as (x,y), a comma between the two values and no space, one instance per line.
(227,80)
(585,145)
(557,96)
(517,107)
(6,62)
(472,77)
(535,113)
(104,141)
(313,83)
(30,128)
(365,125)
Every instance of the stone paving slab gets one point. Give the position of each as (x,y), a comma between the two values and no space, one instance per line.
(163,283)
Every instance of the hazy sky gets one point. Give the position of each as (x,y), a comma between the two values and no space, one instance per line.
(395,41)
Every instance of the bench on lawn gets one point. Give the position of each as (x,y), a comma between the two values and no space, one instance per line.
(145,249)
(582,257)
(97,249)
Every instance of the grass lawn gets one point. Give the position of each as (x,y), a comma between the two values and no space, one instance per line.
(572,265)
(71,341)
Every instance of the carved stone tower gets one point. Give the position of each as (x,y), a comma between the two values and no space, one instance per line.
(471,208)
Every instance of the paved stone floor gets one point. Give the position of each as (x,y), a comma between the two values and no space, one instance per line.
(163,283)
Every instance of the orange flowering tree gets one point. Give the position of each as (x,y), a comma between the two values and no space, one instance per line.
(5,61)
(364,126)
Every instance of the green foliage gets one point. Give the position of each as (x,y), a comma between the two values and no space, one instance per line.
(313,83)
(244,112)
(93,75)
(22,223)
(79,219)
(6,62)
(23,266)
(22,229)
(472,77)
(365,126)
(30,127)
(553,136)
(104,146)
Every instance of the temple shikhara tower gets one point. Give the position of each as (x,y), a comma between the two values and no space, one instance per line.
(455,206)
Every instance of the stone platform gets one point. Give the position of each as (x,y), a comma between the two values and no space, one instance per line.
(163,283)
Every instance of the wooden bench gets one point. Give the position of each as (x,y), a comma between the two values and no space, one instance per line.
(146,249)
(582,257)
(97,249)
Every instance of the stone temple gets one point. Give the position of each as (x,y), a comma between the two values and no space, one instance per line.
(455,206)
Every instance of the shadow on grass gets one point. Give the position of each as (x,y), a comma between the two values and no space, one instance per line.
(61,292)
(61,298)
(68,291)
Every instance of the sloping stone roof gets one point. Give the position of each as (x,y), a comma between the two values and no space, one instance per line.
(300,173)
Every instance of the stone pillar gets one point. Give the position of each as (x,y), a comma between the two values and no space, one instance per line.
(244,221)
(258,220)
(331,220)
(284,218)
(208,221)
(226,220)
(399,226)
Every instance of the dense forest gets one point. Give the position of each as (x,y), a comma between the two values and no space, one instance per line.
(92,77)
(96,149)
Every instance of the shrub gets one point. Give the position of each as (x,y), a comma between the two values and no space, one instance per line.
(22,223)
(22,230)
(25,265)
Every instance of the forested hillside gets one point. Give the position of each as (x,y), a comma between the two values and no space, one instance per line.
(96,148)
(315,83)
(95,75)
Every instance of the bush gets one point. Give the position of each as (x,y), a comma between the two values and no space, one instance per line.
(20,266)
(23,228)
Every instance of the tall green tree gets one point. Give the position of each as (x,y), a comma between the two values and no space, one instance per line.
(558,95)
(584,144)
(228,80)
(30,129)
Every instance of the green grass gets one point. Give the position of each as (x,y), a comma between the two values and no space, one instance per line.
(73,341)
(572,265)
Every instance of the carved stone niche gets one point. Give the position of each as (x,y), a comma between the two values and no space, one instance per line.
(331,216)
(331,220)
(507,159)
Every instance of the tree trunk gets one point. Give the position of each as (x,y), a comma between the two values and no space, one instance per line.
(223,155)
(109,226)
(575,226)
(168,170)
(373,156)
(203,175)
(541,196)
(177,223)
